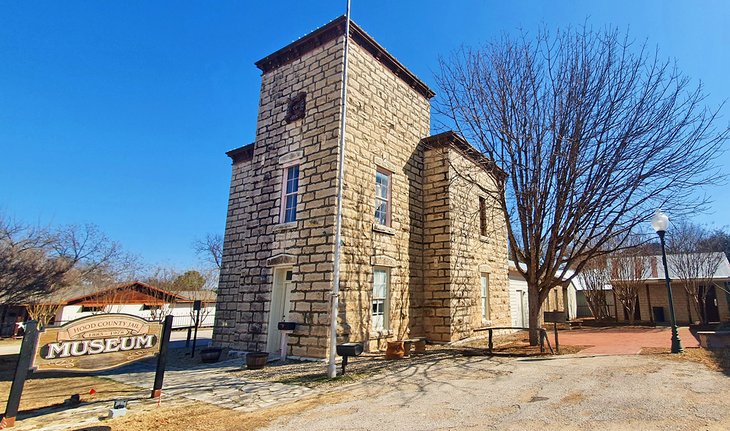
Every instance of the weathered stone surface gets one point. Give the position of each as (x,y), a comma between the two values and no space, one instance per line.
(432,248)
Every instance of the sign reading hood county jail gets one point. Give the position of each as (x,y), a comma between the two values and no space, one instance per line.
(96,343)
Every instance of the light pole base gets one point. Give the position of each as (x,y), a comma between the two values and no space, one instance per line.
(676,343)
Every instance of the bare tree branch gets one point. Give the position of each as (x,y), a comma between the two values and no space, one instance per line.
(210,249)
(595,132)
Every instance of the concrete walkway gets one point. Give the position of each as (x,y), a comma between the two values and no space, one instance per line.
(213,384)
(623,341)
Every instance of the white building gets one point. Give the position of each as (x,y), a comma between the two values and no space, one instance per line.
(563,298)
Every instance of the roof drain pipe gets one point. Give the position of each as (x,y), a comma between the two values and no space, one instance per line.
(331,366)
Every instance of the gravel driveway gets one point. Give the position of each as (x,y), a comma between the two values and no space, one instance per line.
(566,393)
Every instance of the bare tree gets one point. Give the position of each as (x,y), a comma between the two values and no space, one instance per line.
(595,278)
(205,310)
(41,310)
(27,265)
(93,257)
(210,249)
(695,258)
(629,271)
(36,262)
(162,278)
(595,134)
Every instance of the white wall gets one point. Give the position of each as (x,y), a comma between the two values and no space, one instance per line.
(181,313)
(571,305)
(517,285)
(517,294)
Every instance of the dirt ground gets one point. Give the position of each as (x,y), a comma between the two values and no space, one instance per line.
(450,387)
(458,392)
(202,416)
(636,392)
(53,389)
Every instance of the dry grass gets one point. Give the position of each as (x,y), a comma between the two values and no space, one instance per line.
(718,360)
(202,416)
(51,389)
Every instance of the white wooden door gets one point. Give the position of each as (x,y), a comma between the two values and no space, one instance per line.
(280,307)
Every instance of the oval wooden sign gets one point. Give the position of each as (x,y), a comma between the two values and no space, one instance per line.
(97,342)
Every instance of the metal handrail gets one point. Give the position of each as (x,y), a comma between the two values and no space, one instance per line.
(491,329)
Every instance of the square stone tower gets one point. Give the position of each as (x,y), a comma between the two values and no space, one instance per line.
(279,245)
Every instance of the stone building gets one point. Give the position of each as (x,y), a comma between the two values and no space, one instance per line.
(652,300)
(424,247)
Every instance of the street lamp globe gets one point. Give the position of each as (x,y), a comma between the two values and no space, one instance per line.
(660,221)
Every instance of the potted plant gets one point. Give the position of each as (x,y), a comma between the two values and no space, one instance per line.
(256,360)
(210,354)
(395,350)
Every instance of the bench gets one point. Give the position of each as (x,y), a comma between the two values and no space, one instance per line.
(714,339)
(575,324)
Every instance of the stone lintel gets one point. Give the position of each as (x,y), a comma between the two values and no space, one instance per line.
(281,260)
(383,260)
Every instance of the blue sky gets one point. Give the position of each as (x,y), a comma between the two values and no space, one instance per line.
(119,113)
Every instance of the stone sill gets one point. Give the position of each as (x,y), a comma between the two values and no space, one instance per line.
(383,229)
(284,226)
(381,334)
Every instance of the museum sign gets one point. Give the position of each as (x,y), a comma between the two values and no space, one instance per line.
(97,343)
(91,343)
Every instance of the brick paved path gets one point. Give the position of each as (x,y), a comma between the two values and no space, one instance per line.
(622,341)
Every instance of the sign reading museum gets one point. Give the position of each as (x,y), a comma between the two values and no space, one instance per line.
(96,343)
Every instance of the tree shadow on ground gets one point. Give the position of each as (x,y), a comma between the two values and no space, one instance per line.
(375,366)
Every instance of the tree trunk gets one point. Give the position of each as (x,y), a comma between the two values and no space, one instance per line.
(630,309)
(2,319)
(689,307)
(535,308)
(702,305)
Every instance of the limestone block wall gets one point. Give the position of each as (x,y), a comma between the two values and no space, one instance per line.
(432,247)
(255,240)
(456,254)
(436,304)
(474,253)
(386,120)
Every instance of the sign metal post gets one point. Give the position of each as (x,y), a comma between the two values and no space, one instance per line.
(196,307)
(162,358)
(27,350)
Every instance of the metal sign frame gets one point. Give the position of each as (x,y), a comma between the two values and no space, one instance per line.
(82,333)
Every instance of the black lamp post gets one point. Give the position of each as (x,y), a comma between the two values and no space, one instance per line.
(660,222)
